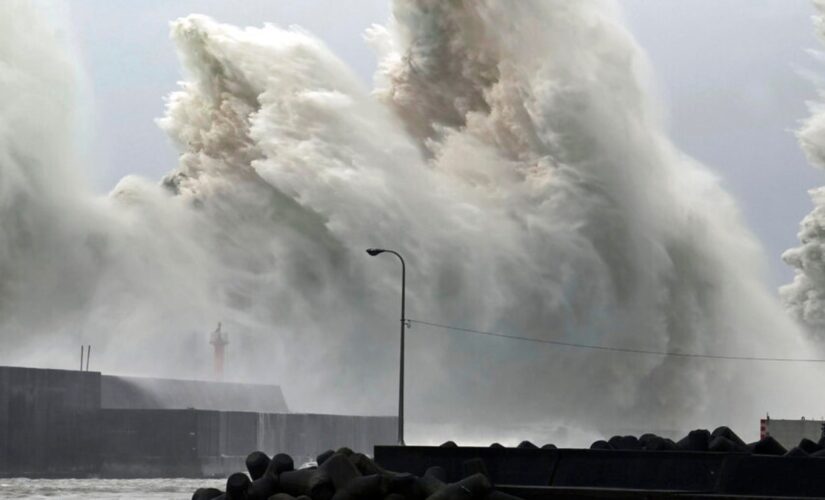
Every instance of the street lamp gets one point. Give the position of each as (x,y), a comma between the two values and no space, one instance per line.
(373,252)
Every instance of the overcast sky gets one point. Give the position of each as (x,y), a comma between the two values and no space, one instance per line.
(730,73)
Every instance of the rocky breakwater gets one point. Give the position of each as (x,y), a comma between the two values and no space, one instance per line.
(345,475)
(722,440)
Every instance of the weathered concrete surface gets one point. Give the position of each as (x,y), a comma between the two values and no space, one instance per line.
(173,394)
(195,443)
(48,421)
(53,424)
(505,465)
(567,473)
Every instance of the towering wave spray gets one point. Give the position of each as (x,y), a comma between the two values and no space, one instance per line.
(804,298)
(509,150)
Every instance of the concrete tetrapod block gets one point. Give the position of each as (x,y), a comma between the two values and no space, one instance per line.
(206,493)
(728,434)
(650,441)
(339,469)
(323,456)
(256,463)
(269,483)
(281,462)
(437,472)
(433,480)
(363,488)
(431,486)
(767,446)
(236,486)
(656,443)
(365,465)
(624,443)
(474,487)
(722,444)
(796,452)
(406,485)
(265,486)
(600,445)
(696,440)
(644,438)
(296,482)
(809,446)
(310,482)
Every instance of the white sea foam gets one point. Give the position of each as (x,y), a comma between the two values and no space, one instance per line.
(804,298)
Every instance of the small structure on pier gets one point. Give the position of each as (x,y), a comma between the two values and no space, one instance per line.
(219,340)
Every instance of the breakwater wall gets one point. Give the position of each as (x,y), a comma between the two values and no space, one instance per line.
(48,422)
(53,424)
(196,443)
(532,473)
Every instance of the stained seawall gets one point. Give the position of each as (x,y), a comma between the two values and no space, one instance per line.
(54,423)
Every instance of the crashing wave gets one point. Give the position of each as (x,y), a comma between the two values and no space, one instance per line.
(511,152)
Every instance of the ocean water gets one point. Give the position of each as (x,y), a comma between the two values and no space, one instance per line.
(100,489)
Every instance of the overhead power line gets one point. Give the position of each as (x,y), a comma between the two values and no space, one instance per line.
(614,349)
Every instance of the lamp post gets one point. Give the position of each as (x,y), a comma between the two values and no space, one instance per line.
(373,252)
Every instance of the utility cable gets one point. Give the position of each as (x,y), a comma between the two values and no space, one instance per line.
(614,349)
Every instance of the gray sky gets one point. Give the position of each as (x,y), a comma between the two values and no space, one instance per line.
(729,73)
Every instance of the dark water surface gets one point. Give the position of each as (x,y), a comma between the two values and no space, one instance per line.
(99,489)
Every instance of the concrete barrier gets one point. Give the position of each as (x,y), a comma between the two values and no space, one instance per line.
(48,422)
(629,474)
(532,466)
(52,424)
(655,470)
(769,476)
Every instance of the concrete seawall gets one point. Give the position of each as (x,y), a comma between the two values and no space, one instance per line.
(197,443)
(48,422)
(52,424)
